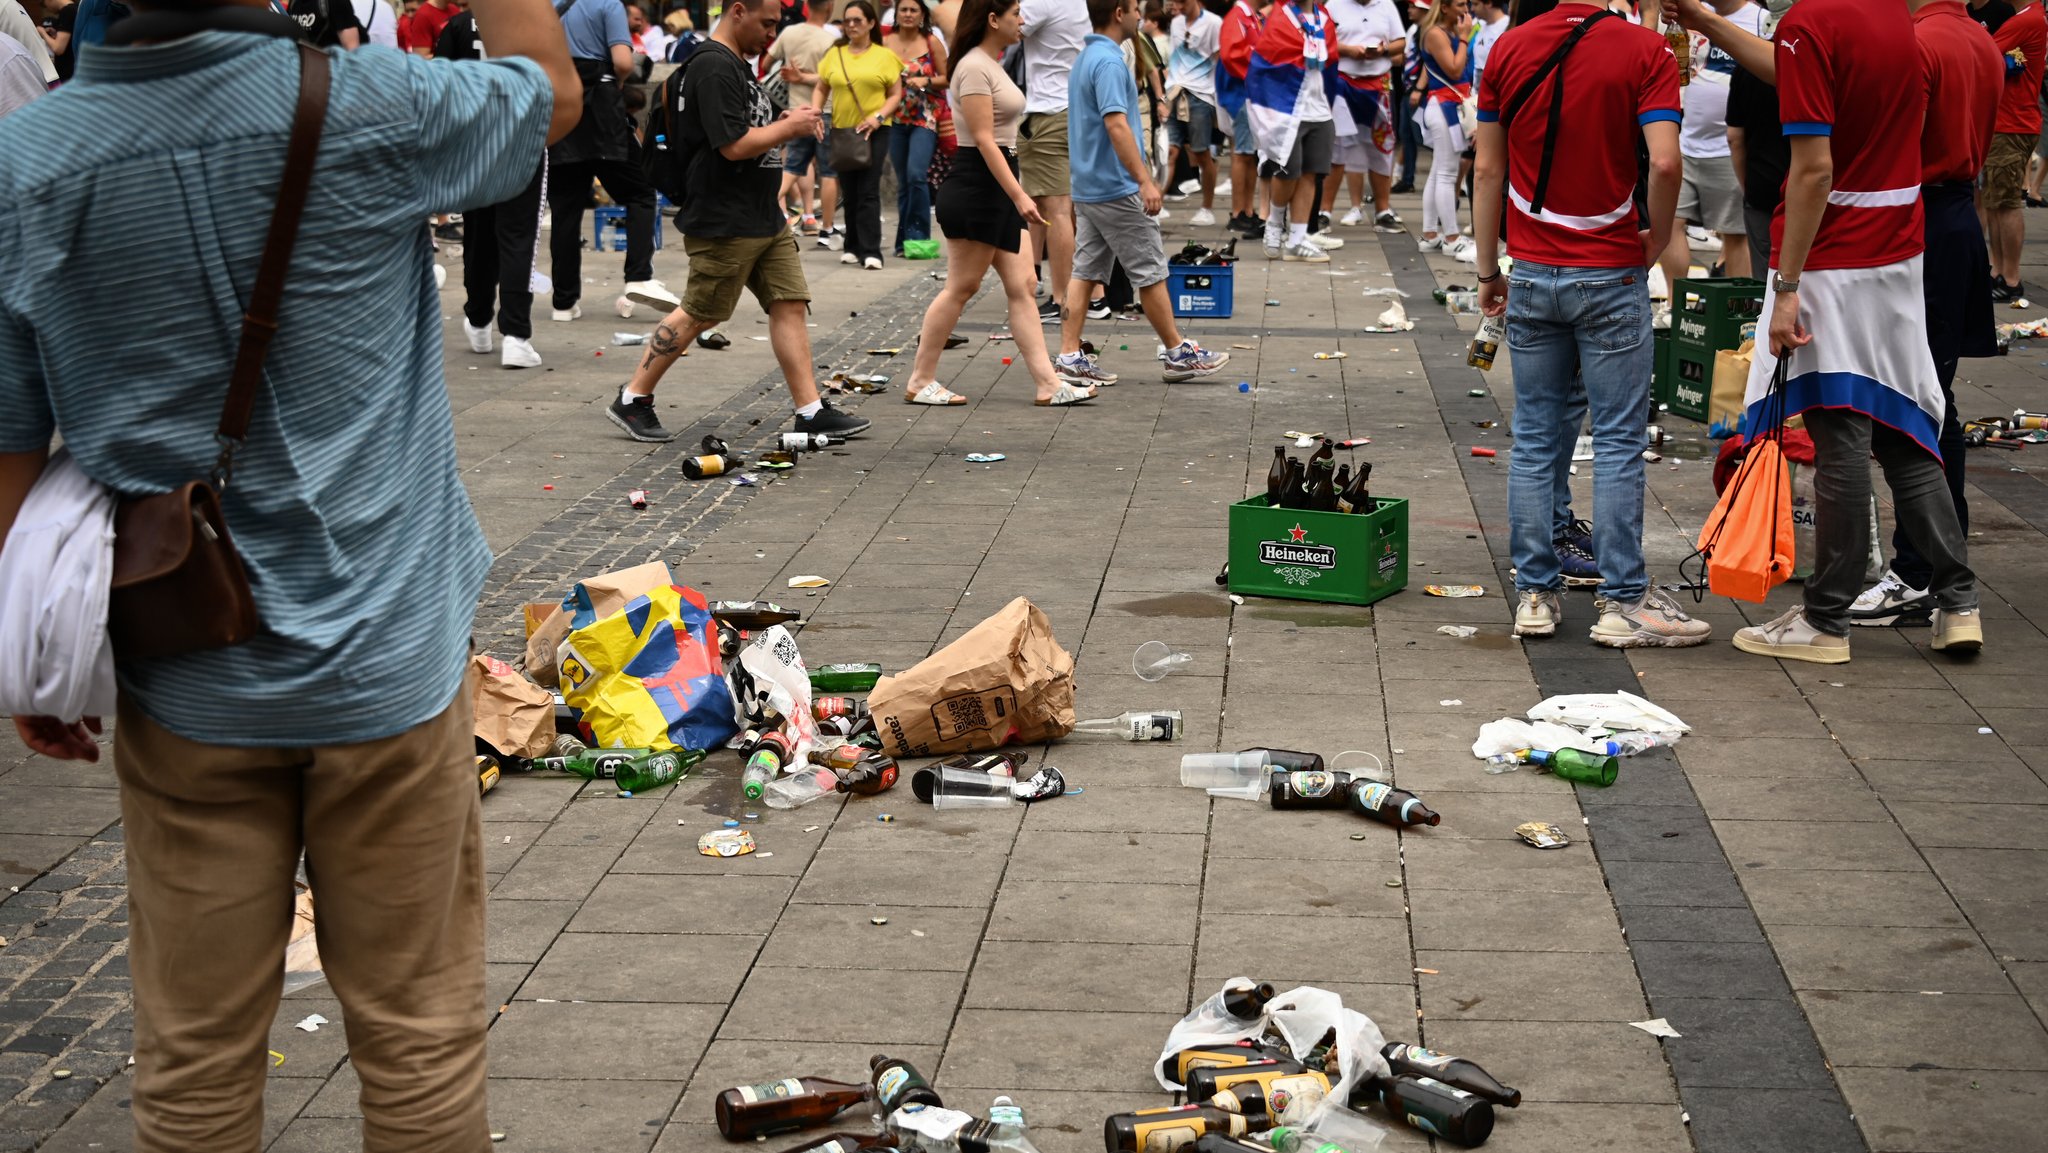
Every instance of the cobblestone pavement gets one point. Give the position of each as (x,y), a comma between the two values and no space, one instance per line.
(1833,888)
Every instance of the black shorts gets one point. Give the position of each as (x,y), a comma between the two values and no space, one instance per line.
(973,206)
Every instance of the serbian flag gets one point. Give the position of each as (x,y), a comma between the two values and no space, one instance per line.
(1240,33)
(1292,53)
(1366,97)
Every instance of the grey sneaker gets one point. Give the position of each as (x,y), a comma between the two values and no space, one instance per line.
(1539,613)
(1791,637)
(1190,360)
(1888,601)
(1656,621)
(1079,368)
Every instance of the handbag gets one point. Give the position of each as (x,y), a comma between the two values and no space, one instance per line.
(178,585)
(1746,544)
(847,148)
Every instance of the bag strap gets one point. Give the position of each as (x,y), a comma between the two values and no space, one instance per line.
(850,89)
(1552,70)
(259,323)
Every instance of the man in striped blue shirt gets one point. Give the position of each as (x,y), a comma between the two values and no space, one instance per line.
(343,730)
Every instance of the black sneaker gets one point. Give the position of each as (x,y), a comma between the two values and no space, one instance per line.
(1404,187)
(1049,312)
(638,419)
(1098,310)
(2001,292)
(831,420)
(451,231)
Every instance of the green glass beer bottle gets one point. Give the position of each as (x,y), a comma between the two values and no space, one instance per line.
(657,769)
(845,678)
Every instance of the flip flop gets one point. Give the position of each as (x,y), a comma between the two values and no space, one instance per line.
(1068,394)
(934,394)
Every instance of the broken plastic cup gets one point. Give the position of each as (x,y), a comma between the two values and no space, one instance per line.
(1154,660)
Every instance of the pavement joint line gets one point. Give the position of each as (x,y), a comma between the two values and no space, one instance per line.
(1827,1126)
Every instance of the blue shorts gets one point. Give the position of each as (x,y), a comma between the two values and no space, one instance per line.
(1198,131)
(1241,141)
(798,154)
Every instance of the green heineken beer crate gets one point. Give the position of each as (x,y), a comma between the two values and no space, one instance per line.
(1341,558)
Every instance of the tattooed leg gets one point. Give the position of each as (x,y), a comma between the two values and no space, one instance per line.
(671,338)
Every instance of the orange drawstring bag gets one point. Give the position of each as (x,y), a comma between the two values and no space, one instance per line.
(1746,543)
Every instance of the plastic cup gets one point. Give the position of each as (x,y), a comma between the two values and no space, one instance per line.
(948,787)
(1154,660)
(1224,770)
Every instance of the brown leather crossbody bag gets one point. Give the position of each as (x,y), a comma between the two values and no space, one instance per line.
(178,585)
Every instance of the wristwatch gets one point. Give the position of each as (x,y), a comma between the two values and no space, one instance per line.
(1780,284)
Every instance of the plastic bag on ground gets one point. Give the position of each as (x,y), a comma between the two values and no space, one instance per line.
(768,676)
(648,675)
(1614,712)
(1302,1016)
(1507,735)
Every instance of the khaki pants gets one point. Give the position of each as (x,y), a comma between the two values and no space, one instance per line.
(392,834)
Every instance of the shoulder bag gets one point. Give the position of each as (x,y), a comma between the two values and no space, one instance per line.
(847,148)
(178,585)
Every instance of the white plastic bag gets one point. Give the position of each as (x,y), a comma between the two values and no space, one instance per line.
(767,676)
(1302,1016)
(1507,735)
(1613,712)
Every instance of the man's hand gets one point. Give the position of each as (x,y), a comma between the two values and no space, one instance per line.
(1151,197)
(1493,297)
(791,74)
(1786,331)
(1653,246)
(59,741)
(1692,15)
(803,121)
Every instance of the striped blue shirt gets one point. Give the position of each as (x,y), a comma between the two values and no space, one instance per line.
(133,207)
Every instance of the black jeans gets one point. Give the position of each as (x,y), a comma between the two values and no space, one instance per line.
(860,195)
(497,261)
(569,196)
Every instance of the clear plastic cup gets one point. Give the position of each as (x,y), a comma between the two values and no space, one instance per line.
(1224,770)
(948,787)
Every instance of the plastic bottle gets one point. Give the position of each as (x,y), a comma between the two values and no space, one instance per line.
(1225,770)
(1163,725)
(1629,744)
(799,789)
(764,765)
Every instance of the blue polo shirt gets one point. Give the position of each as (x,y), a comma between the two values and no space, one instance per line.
(1100,84)
(346,505)
(593,26)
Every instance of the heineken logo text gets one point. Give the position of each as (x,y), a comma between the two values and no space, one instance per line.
(1311,555)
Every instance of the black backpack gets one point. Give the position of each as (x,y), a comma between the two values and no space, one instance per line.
(667,155)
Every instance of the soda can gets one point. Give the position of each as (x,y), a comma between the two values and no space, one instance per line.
(637,498)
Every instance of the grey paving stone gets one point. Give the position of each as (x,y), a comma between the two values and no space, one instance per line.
(1731,1043)
(1973,826)
(642,967)
(1109,978)
(1709,969)
(319,1135)
(535,797)
(1852,846)
(520,931)
(1999,776)
(1293,949)
(932,938)
(1765,757)
(732,903)
(27,810)
(1155,858)
(1761,1119)
(1036,1049)
(506,841)
(1567,1128)
(1536,921)
(567,1116)
(1667,833)
(555,874)
(1951,1031)
(1243,885)
(878,876)
(1509,986)
(1608,1063)
(596,824)
(1094,912)
(666,847)
(797,1004)
(1850,897)
(746,1061)
(1256,831)
(1902,959)
(919,828)
(1990,874)
(1945,1111)
(658,1042)
(2012,928)
(1907,741)
(1169,809)
(1789,799)
(1682,923)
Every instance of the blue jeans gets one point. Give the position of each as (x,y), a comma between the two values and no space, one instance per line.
(1574,420)
(910,149)
(1568,328)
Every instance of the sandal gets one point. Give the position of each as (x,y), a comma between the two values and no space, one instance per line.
(934,394)
(1068,394)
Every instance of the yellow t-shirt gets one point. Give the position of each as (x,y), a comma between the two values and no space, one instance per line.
(868,74)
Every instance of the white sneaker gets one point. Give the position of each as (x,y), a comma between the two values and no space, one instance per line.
(1429,244)
(1538,613)
(519,354)
(624,306)
(565,315)
(871,263)
(479,338)
(1961,631)
(848,258)
(1885,602)
(1462,250)
(1276,239)
(1162,215)
(1326,241)
(1202,218)
(1790,637)
(654,294)
(1305,253)
(1656,621)
(1354,217)
(1699,237)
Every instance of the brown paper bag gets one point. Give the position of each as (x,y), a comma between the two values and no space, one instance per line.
(513,715)
(603,596)
(1731,380)
(1006,682)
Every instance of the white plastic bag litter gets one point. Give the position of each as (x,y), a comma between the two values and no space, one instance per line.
(768,674)
(1507,735)
(1614,712)
(1302,1016)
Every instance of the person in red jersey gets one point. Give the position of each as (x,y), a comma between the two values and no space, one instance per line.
(1847,310)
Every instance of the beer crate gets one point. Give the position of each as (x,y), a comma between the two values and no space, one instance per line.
(1660,367)
(1692,381)
(1201,289)
(1708,315)
(1340,558)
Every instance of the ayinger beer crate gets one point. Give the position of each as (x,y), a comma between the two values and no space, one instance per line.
(1341,558)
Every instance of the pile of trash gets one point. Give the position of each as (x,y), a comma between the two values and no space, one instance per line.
(1580,737)
(1296,780)
(1280,1072)
(904,1114)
